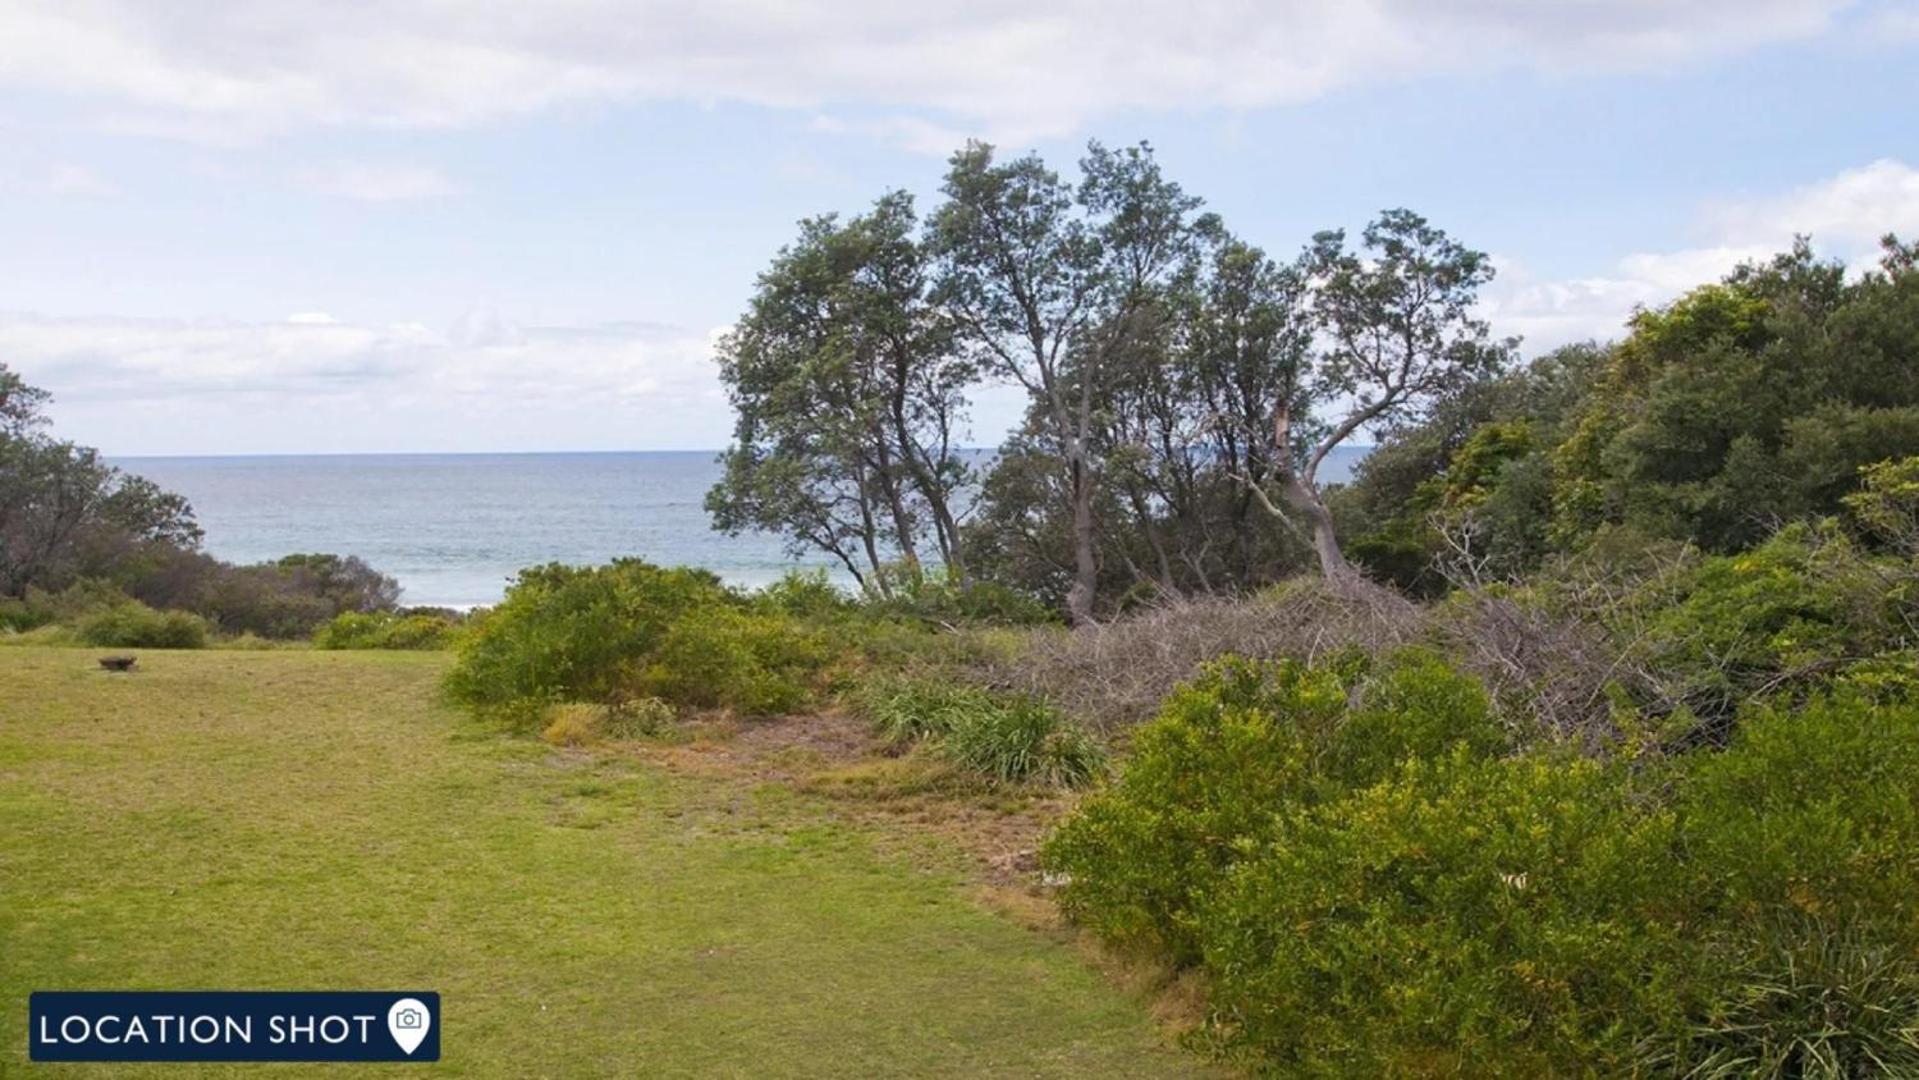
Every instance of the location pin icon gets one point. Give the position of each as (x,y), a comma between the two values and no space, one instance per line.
(409,1021)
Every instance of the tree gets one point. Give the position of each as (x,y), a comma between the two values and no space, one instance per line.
(1399,333)
(1050,286)
(848,394)
(21,406)
(1746,403)
(59,502)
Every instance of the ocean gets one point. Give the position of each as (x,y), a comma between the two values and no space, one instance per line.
(455,528)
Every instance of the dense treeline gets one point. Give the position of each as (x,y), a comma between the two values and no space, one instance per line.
(1738,408)
(1184,387)
(87,544)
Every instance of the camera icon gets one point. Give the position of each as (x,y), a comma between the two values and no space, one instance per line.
(409,1018)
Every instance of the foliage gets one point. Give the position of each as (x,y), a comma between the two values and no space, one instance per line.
(1375,882)
(905,711)
(578,724)
(945,599)
(135,625)
(1021,739)
(1799,840)
(1886,505)
(848,394)
(1742,406)
(1790,614)
(64,512)
(723,657)
(1002,738)
(609,633)
(1230,750)
(1465,914)
(385,630)
(1812,999)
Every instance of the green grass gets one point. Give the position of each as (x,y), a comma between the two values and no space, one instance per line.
(314,820)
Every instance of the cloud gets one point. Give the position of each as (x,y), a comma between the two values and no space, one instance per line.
(1845,215)
(59,179)
(376,182)
(1014,69)
(480,367)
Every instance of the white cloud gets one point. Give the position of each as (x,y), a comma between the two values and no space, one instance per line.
(332,376)
(1014,69)
(376,181)
(1845,215)
(61,179)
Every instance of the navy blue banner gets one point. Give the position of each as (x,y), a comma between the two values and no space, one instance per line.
(182,1025)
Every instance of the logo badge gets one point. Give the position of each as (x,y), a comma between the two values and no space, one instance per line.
(408,1022)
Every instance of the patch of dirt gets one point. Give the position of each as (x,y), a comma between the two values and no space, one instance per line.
(836,756)
(787,748)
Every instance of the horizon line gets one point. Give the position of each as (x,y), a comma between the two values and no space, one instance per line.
(480,453)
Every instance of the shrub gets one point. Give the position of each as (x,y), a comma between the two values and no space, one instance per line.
(1799,840)
(1374,883)
(135,625)
(637,718)
(725,657)
(805,595)
(18,616)
(1022,739)
(572,725)
(358,630)
(1114,675)
(906,710)
(1811,999)
(1229,752)
(1788,615)
(566,633)
(1005,739)
(605,634)
(1465,916)
(940,598)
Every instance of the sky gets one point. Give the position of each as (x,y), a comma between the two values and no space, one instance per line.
(315,226)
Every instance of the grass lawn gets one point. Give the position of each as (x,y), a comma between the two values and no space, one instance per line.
(314,820)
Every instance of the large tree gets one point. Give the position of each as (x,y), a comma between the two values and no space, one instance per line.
(1398,333)
(60,503)
(1051,286)
(848,394)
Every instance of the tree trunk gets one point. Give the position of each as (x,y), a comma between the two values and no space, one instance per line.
(1302,495)
(1332,561)
(1079,598)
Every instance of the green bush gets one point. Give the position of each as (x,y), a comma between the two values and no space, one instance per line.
(722,657)
(609,633)
(1812,998)
(18,616)
(566,633)
(1022,739)
(1465,916)
(1228,753)
(1800,841)
(1374,883)
(383,630)
(1789,615)
(135,625)
(906,710)
(806,596)
(940,598)
(1003,739)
